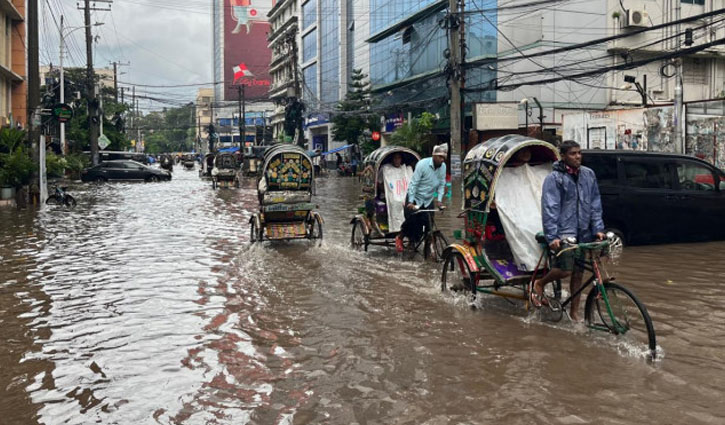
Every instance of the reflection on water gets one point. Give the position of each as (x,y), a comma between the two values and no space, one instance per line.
(146,304)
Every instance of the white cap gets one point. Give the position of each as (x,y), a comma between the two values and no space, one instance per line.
(441,149)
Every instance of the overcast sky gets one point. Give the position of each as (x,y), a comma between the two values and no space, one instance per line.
(167,42)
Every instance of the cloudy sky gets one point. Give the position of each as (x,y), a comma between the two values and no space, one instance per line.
(166,42)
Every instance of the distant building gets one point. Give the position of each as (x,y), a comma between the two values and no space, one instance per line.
(283,42)
(13,88)
(204,102)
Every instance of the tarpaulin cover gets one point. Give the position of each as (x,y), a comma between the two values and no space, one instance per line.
(518,201)
(396,181)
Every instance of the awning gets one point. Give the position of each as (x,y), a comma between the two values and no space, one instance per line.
(232,149)
(337,150)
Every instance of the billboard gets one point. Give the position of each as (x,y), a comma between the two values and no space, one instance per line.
(246,54)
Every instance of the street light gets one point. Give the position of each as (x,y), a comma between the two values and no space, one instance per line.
(63,147)
(631,79)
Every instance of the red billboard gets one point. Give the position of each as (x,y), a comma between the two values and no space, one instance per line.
(246,55)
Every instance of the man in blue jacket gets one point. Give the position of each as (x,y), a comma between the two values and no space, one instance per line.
(570,207)
(429,178)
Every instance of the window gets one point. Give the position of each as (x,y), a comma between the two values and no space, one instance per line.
(309,46)
(309,14)
(604,166)
(309,78)
(694,176)
(700,2)
(647,175)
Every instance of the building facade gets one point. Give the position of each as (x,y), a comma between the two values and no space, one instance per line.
(283,42)
(204,102)
(13,88)
(240,60)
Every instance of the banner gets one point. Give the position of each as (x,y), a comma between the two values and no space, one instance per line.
(246,54)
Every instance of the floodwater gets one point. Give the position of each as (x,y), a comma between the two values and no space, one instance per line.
(146,304)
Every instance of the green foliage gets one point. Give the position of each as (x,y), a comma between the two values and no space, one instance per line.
(16,168)
(75,162)
(11,139)
(416,134)
(355,117)
(55,165)
(169,130)
(16,165)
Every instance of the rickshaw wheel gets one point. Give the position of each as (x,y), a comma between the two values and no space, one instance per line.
(358,239)
(629,317)
(457,274)
(435,246)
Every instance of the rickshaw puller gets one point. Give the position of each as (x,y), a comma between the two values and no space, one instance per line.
(570,206)
(428,178)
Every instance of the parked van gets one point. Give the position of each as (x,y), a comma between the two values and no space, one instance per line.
(659,198)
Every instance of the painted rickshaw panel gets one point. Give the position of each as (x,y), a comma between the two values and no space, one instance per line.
(287,167)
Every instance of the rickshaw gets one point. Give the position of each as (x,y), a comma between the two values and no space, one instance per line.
(225,172)
(207,165)
(504,249)
(188,161)
(253,157)
(372,224)
(284,190)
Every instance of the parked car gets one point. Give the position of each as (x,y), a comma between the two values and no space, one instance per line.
(123,169)
(659,198)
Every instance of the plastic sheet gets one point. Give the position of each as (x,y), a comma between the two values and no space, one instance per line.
(518,201)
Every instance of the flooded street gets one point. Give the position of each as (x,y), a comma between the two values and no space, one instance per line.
(147,304)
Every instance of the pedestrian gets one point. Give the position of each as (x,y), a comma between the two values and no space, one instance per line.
(338,160)
(570,207)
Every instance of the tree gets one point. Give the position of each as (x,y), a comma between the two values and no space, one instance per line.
(355,116)
(416,134)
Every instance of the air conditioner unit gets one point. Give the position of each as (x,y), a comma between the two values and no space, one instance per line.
(637,19)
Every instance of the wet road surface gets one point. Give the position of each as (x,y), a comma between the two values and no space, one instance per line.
(147,304)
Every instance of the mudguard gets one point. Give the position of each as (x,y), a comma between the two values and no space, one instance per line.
(314,214)
(467,252)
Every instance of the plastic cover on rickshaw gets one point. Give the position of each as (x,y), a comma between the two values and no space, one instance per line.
(504,177)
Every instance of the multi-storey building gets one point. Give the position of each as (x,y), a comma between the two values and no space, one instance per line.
(204,102)
(13,89)
(283,42)
(240,60)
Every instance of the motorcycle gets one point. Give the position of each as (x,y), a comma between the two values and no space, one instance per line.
(61,197)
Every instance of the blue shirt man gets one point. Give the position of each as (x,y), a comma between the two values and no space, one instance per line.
(428,178)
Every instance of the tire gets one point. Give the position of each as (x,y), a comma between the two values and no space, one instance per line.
(358,239)
(100,179)
(456,274)
(434,247)
(236,183)
(152,179)
(53,200)
(70,201)
(631,318)
(213,184)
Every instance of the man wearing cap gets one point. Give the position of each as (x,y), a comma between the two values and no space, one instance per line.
(428,179)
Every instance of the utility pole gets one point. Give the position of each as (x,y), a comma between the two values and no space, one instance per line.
(91,77)
(678,118)
(63,148)
(90,86)
(116,64)
(33,81)
(242,116)
(455,27)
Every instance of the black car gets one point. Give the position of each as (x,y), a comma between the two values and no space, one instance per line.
(659,198)
(123,169)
